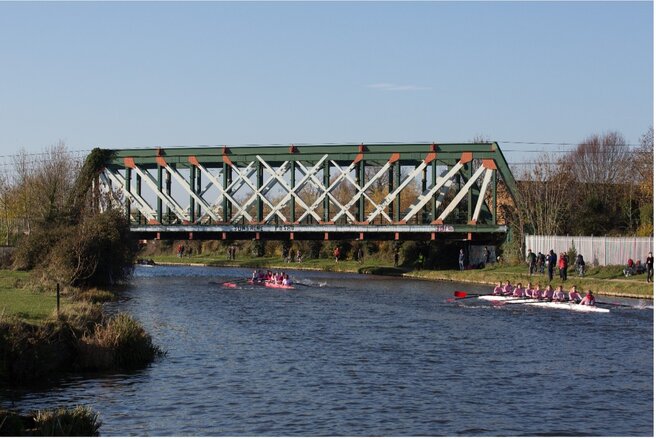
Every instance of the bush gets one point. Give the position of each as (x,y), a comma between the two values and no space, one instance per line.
(120,344)
(96,252)
(79,421)
(93,295)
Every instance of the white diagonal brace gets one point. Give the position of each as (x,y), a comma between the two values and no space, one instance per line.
(460,195)
(275,210)
(361,191)
(259,192)
(142,206)
(390,197)
(326,192)
(166,198)
(481,194)
(223,192)
(291,192)
(443,181)
(187,188)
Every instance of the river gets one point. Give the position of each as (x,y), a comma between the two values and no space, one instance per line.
(363,355)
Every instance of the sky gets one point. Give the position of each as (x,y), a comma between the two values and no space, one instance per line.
(120,75)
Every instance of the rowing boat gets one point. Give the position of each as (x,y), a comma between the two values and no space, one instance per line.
(544,304)
(272,285)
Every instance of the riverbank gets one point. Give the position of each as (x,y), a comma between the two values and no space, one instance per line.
(608,281)
(38,343)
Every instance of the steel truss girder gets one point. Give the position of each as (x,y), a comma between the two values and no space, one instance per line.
(337,161)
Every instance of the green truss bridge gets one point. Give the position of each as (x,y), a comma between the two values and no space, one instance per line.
(381,192)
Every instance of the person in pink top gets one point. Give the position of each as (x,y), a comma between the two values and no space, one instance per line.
(498,290)
(574,295)
(558,295)
(537,292)
(589,299)
(548,292)
(528,291)
(518,291)
(507,289)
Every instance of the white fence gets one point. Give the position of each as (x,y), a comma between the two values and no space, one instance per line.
(595,250)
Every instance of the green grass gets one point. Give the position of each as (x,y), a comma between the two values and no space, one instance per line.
(19,302)
(604,280)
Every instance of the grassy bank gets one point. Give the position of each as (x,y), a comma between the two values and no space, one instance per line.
(602,280)
(37,343)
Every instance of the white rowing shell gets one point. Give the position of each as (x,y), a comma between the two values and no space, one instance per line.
(541,304)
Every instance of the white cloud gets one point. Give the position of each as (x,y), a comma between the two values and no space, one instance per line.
(397,87)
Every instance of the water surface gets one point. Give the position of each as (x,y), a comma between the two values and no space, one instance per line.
(364,355)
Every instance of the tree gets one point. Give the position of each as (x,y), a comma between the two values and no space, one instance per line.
(542,198)
(643,159)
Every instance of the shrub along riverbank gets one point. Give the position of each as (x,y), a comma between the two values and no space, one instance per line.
(601,280)
(78,421)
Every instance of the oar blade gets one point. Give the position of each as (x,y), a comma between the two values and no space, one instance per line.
(460,294)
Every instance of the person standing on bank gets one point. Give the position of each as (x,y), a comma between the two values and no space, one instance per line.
(486,255)
(531,262)
(649,264)
(461,259)
(562,267)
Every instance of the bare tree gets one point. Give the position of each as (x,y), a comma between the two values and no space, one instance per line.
(542,196)
(600,163)
(643,164)
(6,191)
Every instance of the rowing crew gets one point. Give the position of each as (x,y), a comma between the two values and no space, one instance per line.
(547,294)
(280,278)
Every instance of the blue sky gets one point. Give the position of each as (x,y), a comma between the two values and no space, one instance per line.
(146,74)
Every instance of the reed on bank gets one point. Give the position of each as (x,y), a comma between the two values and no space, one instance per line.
(62,421)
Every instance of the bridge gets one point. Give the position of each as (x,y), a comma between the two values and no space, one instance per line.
(379,192)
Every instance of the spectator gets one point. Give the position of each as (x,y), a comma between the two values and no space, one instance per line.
(531,259)
(649,265)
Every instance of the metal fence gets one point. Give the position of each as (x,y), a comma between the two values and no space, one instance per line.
(596,250)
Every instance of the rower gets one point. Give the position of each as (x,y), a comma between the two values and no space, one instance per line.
(518,291)
(589,299)
(559,295)
(574,295)
(498,290)
(507,288)
(537,292)
(548,292)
